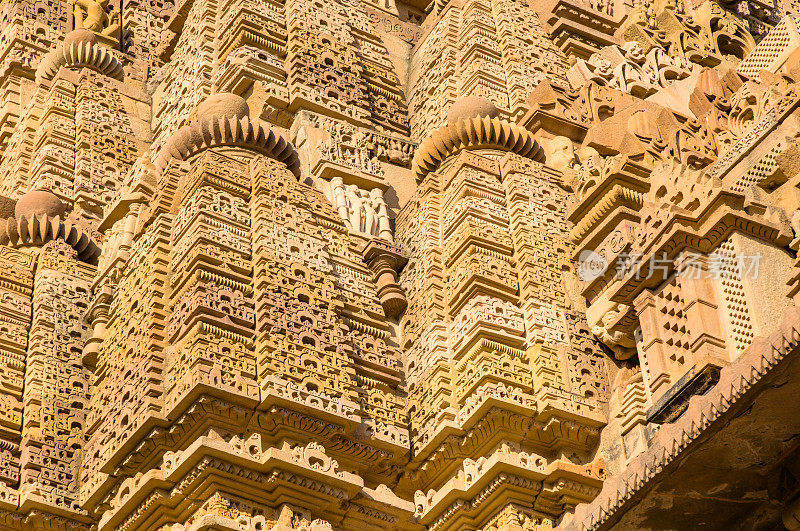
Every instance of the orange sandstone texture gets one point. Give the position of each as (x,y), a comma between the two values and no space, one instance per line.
(494,265)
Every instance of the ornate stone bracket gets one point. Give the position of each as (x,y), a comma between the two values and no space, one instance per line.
(97,316)
(386,261)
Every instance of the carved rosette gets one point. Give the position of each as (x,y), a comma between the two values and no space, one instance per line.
(475,132)
(39,230)
(80,50)
(218,126)
(39,219)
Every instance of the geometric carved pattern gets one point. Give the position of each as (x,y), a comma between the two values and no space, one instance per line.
(357,265)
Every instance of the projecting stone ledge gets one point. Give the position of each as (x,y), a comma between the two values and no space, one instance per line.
(717,464)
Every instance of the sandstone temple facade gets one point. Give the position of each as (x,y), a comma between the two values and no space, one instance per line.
(356,265)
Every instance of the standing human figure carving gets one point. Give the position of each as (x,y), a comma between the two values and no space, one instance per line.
(362,211)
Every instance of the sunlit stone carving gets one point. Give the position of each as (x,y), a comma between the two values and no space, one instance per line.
(351,265)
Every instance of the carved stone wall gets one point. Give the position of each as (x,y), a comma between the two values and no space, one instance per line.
(348,265)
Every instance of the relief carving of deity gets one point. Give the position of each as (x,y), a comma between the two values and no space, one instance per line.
(363,211)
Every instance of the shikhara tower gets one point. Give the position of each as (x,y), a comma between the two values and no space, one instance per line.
(305,265)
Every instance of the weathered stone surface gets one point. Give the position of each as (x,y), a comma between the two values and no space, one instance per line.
(350,265)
